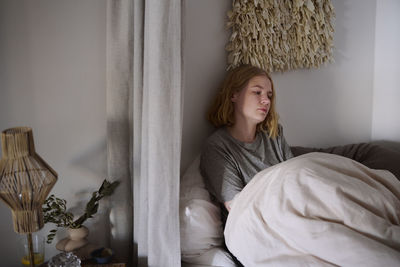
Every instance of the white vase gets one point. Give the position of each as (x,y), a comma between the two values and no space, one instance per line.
(75,240)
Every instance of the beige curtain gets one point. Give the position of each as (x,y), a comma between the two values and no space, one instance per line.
(144,109)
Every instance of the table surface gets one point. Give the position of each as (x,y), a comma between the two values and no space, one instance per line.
(92,263)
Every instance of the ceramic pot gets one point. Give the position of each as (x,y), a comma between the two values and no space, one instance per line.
(79,233)
(75,240)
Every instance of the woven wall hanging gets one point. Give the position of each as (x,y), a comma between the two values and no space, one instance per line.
(280,35)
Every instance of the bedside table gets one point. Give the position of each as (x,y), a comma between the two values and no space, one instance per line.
(92,263)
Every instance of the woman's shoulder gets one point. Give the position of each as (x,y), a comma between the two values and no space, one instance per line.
(217,142)
(280,129)
(217,150)
(280,132)
(217,137)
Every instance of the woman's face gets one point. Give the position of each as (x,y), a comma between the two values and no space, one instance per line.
(252,103)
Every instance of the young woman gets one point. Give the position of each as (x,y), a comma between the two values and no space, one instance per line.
(316,210)
(248,139)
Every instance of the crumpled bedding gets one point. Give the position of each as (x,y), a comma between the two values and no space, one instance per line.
(317,209)
(381,155)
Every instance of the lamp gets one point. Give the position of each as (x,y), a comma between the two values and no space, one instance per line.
(25,181)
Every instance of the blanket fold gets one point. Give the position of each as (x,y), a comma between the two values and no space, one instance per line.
(317,209)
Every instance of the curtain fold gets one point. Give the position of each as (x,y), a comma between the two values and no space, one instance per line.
(144,109)
(119,129)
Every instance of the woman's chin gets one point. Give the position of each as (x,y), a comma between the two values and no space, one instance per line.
(262,118)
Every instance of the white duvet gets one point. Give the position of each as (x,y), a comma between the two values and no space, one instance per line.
(315,210)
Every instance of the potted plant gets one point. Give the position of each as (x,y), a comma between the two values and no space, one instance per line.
(55,209)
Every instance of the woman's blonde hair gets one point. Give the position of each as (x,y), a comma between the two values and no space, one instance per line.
(221,112)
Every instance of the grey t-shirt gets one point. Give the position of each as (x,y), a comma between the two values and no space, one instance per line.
(228,164)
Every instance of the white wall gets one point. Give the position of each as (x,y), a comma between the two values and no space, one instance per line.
(333,105)
(386,107)
(322,107)
(204,67)
(52,78)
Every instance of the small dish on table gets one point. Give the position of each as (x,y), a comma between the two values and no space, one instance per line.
(102,255)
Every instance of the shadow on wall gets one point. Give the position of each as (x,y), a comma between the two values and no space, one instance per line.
(342,16)
(204,68)
(93,161)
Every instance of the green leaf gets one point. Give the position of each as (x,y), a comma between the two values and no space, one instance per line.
(55,209)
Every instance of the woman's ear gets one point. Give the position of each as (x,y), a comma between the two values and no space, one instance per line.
(234,97)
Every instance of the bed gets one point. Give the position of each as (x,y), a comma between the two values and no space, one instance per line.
(202,237)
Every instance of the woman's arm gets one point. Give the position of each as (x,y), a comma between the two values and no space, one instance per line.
(221,175)
(285,148)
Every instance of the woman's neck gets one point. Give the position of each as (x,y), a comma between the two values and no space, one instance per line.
(243,134)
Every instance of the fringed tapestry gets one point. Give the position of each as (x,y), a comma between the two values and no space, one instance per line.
(280,35)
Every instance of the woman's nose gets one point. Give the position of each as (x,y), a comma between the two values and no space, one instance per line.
(265,100)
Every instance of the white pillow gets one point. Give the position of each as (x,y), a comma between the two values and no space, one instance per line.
(201,230)
(216,257)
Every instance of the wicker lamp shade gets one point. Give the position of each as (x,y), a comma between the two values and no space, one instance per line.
(25,179)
